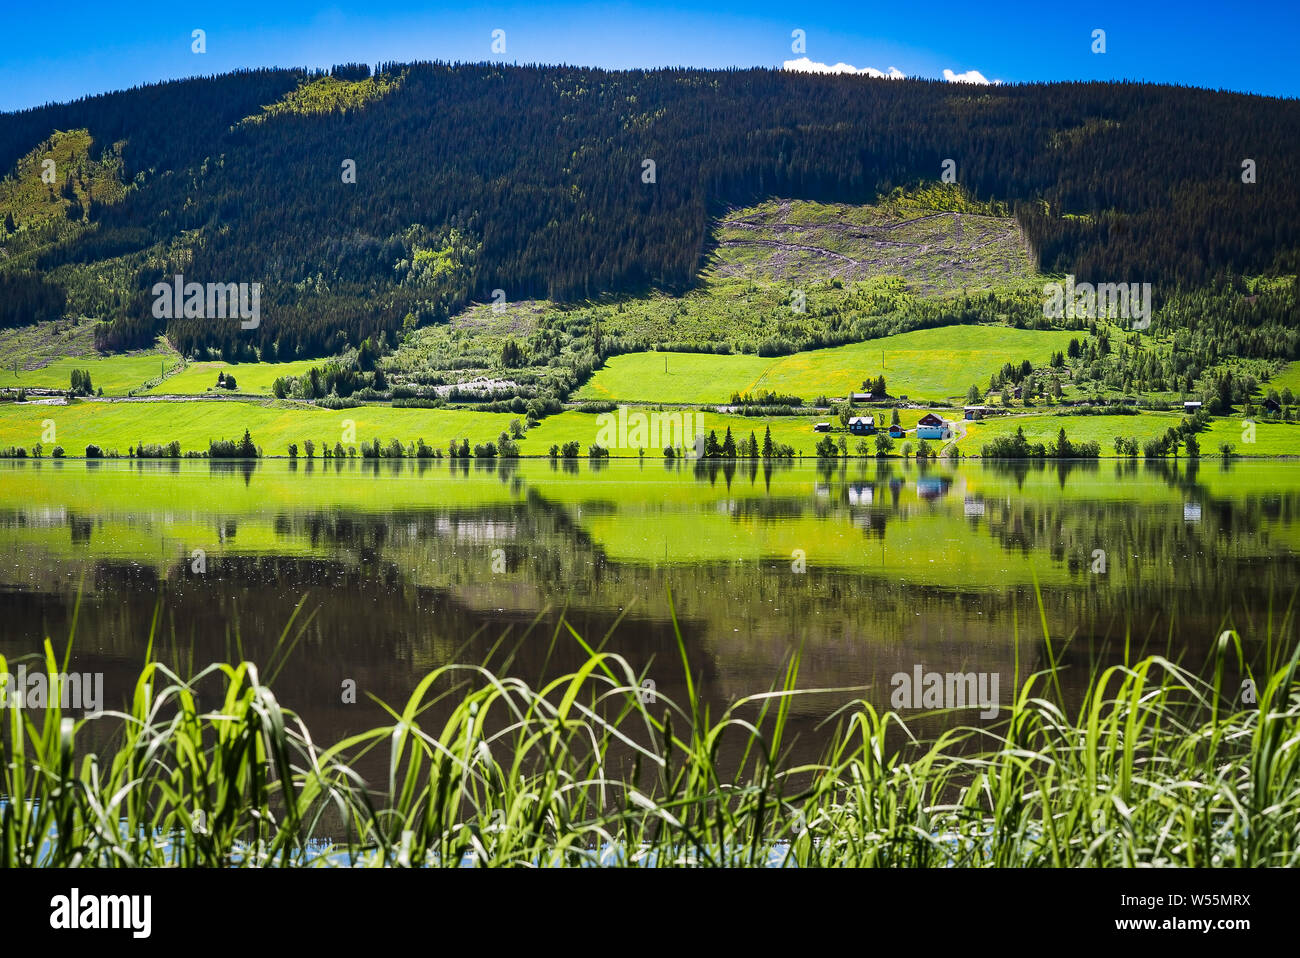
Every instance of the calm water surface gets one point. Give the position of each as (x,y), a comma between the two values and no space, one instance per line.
(867,569)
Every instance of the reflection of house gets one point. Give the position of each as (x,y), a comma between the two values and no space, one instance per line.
(932,487)
(861,493)
(862,425)
(932,427)
(974,506)
(1191,512)
(896,431)
(822,427)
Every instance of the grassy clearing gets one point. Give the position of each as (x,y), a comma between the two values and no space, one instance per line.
(116,375)
(937,239)
(1156,766)
(924,364)
(199,378)
(1270,438)
(1288,378)
(273,424)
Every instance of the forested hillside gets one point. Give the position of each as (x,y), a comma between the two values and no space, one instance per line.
(532,180)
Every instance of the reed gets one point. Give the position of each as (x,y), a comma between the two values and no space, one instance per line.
(1157,765)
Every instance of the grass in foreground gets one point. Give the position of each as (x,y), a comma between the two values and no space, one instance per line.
(1152,768)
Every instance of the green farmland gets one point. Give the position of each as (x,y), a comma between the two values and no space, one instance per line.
(116,375)
(198,378)
(925,364)
(273,425)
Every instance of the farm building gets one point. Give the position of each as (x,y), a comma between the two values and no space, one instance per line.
(821,427)
(1192,406)
(896,431)
(860,397)
(1272,405)
(862,425)
(976,412)
(931,426)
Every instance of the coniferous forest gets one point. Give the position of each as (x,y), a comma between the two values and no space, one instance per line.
(533,181)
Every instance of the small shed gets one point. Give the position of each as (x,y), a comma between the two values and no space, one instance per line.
(896,431)
(1192,406)
(821,427)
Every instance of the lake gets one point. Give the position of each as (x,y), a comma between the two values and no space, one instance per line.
(869,570)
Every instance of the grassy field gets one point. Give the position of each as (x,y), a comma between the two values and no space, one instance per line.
(1288,378)
(273,424)
(1045,427)
(116,375)
(1271,438)
(928,364)
(199,378)
(795,431)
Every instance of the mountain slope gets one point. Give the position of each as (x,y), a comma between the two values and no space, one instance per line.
(534,181)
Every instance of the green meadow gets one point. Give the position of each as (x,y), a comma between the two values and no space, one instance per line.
(795,431)
(273,425)
(199,378)
(1288,378)
(1270,438)
(1045,427)
(116,375)
(924,364)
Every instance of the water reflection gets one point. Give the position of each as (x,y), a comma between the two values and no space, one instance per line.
(870,568)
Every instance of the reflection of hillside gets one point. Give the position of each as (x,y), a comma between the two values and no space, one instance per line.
(475,554)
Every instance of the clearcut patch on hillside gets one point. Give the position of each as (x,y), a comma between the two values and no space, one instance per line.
(933,251)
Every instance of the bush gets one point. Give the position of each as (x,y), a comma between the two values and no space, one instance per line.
(94,452)
(58,452)
(596,451)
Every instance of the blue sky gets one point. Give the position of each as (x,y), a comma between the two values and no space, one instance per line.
(71,48)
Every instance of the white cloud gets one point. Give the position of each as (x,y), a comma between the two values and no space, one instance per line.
(805,65)
(970,76)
